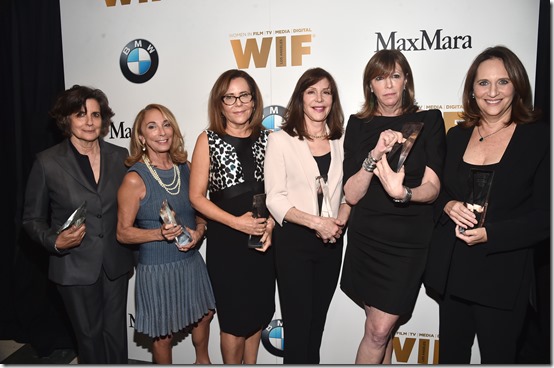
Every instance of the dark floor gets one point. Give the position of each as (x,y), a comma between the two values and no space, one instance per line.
(27,355)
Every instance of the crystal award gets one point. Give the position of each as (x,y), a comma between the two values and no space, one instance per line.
(168,217)
(410,131)
(480,182)
(259,209)
(322,189)
(77,218)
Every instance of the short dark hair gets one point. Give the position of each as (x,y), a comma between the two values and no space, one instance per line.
(74,100)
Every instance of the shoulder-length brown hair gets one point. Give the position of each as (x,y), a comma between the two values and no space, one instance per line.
(383,63)
(522,106)
(74,100)
(294,114)
(177,150)
(218,122)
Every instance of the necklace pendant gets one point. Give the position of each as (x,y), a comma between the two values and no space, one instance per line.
(481,139)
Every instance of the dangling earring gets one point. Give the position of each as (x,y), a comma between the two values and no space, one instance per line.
(142,146)
(472,95)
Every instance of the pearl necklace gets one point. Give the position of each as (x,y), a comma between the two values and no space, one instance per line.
(172,188)
(488,135)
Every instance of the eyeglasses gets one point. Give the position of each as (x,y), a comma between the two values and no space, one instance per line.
(231,100)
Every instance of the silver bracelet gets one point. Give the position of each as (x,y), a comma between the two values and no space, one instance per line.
(369,165)
(407,196)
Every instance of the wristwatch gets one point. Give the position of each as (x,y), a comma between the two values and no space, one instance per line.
(407,196)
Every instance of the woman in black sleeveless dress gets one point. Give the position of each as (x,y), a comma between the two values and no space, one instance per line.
(392,219)
(228,162)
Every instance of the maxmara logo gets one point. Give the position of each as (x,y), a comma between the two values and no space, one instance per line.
(289,47)
(434,40)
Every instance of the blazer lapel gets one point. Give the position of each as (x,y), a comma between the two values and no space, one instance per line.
(66,159)
(308,164)
(335,170)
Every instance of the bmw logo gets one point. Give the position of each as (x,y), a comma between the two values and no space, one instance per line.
(273,117)
(273,338)
(138,61)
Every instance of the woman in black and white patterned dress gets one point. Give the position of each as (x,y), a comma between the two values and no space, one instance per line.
(228,161)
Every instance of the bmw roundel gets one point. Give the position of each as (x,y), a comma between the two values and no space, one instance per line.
(273,338)
(139,61)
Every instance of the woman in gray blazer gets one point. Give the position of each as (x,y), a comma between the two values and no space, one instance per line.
(88,265)
(303,182)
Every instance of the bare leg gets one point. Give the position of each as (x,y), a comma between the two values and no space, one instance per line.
(251,347)
(232,348)
(161,350)
(388,352)
(200,339)
(377,332)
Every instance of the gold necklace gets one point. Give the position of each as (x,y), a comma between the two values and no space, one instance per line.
(488,135)
(317,136)
(172,188)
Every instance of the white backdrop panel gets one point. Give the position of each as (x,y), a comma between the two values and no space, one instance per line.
(193,43)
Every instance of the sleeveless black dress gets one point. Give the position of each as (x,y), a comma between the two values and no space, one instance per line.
(388,242)
(243,279)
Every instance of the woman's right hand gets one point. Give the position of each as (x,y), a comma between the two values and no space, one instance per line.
(71,237)
(329,229)
(387,139)
(250,225)
(460,214)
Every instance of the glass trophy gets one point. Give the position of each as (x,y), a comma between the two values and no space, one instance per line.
(322,190)
(259,209)
(168,217)
(410,131)
(77,218)
(480,182)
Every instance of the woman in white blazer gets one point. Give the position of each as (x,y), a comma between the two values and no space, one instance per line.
(303,182)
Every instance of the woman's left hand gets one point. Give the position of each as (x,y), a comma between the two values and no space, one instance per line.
(472,236)
(392,181)
(196,236)
(266,237)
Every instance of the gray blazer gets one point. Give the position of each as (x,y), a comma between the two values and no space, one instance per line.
(55,188)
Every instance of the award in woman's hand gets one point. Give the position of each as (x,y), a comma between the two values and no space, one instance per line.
(259,209)
(77,218)
(168,217)
(410,131)
(480,182)
(323,198)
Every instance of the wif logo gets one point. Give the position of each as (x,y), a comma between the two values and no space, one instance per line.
(289,47)
(124,2)
(427,351)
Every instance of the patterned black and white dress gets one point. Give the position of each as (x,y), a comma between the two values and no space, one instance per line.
(243,279)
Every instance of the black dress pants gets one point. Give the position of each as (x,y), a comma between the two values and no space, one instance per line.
(98,315)
(307,277)
(497,330)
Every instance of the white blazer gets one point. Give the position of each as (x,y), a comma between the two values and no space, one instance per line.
(290,173)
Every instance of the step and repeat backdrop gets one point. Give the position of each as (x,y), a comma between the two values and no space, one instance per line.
(172,51)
